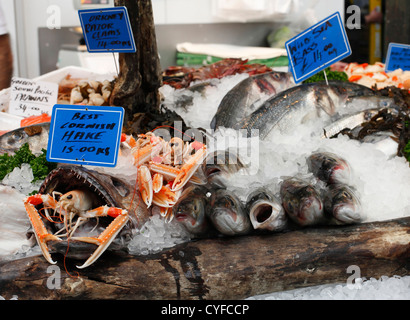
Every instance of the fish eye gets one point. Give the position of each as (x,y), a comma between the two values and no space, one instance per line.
(290,206)
(230,201)
(17,136)
(346,195)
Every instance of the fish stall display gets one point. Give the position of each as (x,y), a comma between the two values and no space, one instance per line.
(270,157)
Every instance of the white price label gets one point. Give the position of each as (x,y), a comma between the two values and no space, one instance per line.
(32,98)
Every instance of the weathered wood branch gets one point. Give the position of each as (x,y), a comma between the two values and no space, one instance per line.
(224,268)
(136,88)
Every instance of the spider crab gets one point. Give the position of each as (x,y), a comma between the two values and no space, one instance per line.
(89,211)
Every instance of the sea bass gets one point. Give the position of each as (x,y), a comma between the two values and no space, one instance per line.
(243,99)
(228,215)
(219,166)
(35,135)
(329,167)
(304,103)
(265,211)
(302,202)
(191,210)
(342,203)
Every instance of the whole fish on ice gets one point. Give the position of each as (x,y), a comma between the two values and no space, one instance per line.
(301,104)
(191,210)
(329,167)
(219,166)
(302,202)
(228,215)
(242,99)
(342,203)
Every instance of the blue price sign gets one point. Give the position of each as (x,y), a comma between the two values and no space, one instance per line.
(107,29)
(318,47)
(85,135)
(398,57)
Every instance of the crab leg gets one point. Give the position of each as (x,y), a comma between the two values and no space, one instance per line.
(142,155)
(188,169)
(108,235)
(170,173)
(40,231)
(167,171)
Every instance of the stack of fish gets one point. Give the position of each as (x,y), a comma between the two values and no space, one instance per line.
(210,209)
(311,203)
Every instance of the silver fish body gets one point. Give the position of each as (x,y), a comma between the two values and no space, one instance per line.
(329,167)
(349,122)
(35,135)
(228,215)
(343,204)
(302,202)
(301,104)
(265,211)
(191,208)
(241,100)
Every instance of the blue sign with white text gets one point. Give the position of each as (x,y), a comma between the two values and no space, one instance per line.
(398,57)
(85,135)
(107,29)
(318,47)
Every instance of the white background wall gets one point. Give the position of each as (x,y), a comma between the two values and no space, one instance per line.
(26,16)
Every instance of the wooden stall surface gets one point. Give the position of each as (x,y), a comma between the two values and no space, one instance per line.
(223,268)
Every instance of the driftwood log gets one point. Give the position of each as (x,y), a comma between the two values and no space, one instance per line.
(223,268)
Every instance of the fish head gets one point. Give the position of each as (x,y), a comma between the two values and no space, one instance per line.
(344,204)
(35,135)
(301,202)
(222,161)
(190,210)
(219,166)
(310,207)
(329,167)
(267,215)
(102,190)
(227,214)
(259,194)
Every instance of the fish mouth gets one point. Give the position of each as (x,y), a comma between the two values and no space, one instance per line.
(226,212)
(347,214)
(104,189)
(67,178)
(182,217)
(262,212)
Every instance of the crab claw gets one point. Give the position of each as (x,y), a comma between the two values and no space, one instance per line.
(189,168)
(145,185)
(157,182)
(40,231)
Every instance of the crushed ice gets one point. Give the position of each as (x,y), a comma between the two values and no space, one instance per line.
(385,288)
(157,234)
